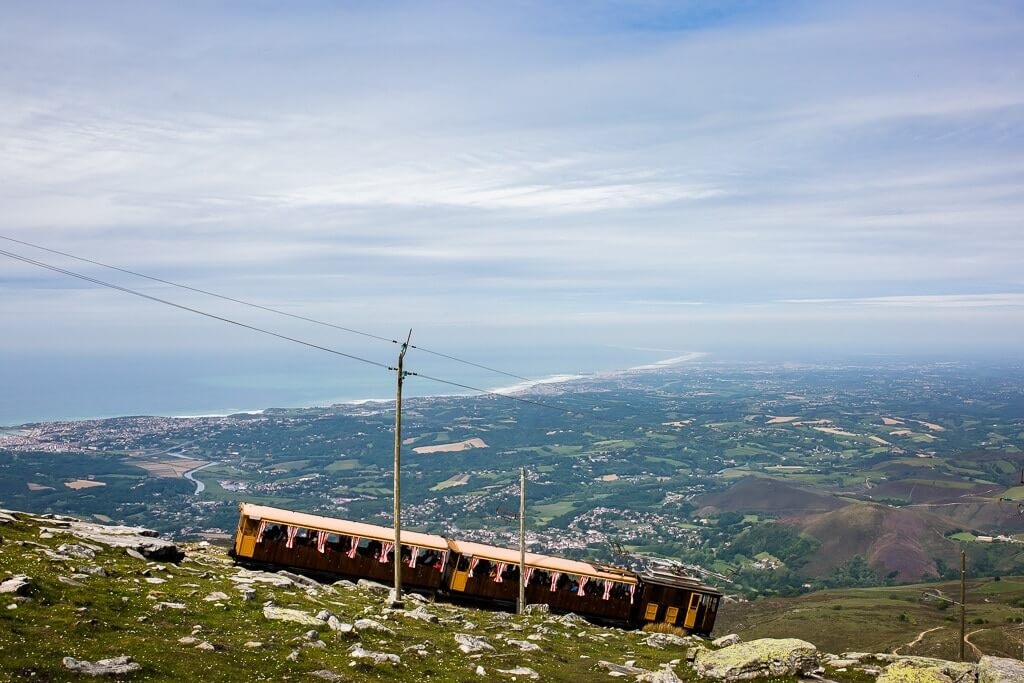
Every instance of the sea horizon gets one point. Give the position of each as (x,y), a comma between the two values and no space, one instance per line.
(107,387)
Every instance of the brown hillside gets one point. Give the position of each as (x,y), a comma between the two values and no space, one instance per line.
(770,496)
(890,539)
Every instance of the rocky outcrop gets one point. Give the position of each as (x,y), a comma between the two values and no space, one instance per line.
(146,542)
(758,658)
(1000,670)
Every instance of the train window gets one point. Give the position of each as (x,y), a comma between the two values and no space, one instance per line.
(463,563)
(652,611)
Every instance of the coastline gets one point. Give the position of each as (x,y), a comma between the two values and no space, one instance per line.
(512,389)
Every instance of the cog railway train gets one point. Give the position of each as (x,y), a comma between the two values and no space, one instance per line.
(467,571)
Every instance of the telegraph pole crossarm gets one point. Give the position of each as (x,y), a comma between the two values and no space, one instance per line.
(396,598)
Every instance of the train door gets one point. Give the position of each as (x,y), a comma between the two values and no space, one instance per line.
(247,537)
(709,615)
(460,575)
(691,612)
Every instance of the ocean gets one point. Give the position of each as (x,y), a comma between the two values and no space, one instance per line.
(39,387)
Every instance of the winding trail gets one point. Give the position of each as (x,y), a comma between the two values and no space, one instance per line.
(916,641)
(967,639)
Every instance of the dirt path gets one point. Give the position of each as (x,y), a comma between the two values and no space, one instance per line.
(920,637)
(967,639)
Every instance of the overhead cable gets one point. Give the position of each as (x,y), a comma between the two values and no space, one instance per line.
(261,307)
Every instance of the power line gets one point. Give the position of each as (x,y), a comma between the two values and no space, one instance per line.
(126,290)
(261,330)
(261,307)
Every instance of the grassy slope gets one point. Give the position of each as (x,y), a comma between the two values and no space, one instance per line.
(101,619)
(882,619)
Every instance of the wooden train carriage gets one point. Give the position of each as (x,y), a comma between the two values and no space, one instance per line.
(338,547)
(677,600)
(490,573)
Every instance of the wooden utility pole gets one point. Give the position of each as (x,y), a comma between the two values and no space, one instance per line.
(522,540)
(963,602)
(396,599)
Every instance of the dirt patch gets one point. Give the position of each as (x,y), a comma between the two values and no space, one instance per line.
(466,445)
(171,468)
(783,419)
(79,484)
(38,487)
(891,421)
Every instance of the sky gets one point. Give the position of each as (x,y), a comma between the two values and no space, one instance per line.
(672,176)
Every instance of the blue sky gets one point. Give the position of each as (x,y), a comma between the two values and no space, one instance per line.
(686,176)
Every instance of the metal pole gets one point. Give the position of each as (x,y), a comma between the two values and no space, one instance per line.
(396,598)
(963,602)
(522,540)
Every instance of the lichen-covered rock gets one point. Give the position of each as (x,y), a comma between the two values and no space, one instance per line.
(115,666)
(1000,670)
(908,672)
(662,675)
(763,657)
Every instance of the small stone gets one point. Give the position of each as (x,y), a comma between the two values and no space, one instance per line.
(327,675)
(216,596)
(70,582)
(188,640)
(154,580)
(480,671)
(253,644)
(293,656)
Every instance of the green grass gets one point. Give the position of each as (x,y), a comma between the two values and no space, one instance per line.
(114,615)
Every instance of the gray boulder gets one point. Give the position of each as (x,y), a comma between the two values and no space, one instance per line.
(357,651)
(470,644)
(19,585)
(758,658)
(662,640)
(115,666)
(726,641)
(1000,670)
(371,625)
(293,615)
